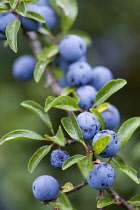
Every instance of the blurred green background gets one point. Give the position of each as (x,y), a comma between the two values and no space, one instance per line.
(115,31)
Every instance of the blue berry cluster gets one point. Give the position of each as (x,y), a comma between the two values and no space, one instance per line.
(77,71)
(27,24)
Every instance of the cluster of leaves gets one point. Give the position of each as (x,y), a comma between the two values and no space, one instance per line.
(71,126)
(67,10)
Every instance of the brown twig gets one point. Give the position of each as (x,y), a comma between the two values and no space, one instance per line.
(99,196)
(37,47)
(52,82)
(77,187)
(118,199)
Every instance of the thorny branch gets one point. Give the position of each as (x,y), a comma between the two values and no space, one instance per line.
(118,199)
(37,47)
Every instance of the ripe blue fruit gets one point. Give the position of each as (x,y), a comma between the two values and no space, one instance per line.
(64,64)
(58,157)
(79,73)
(49,15)
(72,47)
(89,124)
(102,177)
(30,24)
(100,76)
(113,145)
(42,3)
(5,19)
(87,95)
(23,67)
(111,117)
(45,188)
(63,81)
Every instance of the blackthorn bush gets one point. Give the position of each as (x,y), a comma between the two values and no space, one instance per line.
(80,91)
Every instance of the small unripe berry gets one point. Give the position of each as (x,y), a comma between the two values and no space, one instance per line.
(58,157)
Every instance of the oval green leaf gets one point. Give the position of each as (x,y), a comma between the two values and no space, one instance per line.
(72,128)
(85,166)
(101,144)
(21,9)
(70,11)
(35,16)
(127,129)
(61,102)
(72,160)
(67,187)
(135,201)
(40,68)
(117,160)
(20,134)
(11,34)
(38,110)
(52,51)
(129,171)
(102,107)
(108,89)
(104,202)
(37,157)
(13,3)
(58,138)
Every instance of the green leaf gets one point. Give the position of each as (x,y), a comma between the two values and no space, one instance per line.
(37,157)
(104,202)
(40,68)
(127,129)
(44,30)
(21,9)
(48,52)
(35,16)
(108,89)
(117,160)
(58,138)
(85,166)
(72,128)
(99,116)
(70,11)
(63,204)
(132,173)
(11,34)
(67,187)
(38,110)
(101,144)
(102,107)
(3,9)
(83,35)
(52,51)
(3,2)
(135,201)
(67,90)
(70,91)
(61,102)
(72,160)
(20,134)
(13,3)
